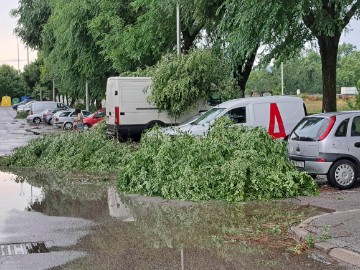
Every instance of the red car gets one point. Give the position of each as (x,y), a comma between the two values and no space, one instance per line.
(92,119)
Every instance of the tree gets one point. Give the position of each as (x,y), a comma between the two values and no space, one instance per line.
(71,55)
(178,83)
(284,27)
(32,16)
(348,69)
(11,84)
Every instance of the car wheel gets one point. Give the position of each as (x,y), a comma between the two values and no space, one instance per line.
(342,174)
(37,120)
(68,125)
(50,121)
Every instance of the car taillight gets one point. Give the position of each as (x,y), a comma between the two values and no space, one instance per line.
(56,119)
(117,115)
(328,128)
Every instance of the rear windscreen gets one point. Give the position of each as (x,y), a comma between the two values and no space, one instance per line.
(308,129)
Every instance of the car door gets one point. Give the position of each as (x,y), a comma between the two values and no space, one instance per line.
(238,115)
(354,138)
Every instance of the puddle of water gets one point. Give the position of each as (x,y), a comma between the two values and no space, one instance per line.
(17,195)
(135,232)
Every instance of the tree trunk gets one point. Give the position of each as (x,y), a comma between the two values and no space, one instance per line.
(242,73)
(328,52)
(188,39)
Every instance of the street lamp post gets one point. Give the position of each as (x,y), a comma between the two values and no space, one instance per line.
(178,28)
(282,78)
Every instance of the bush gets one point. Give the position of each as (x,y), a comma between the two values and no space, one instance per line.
(232,163)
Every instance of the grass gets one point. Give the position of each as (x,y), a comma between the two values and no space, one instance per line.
(314,103)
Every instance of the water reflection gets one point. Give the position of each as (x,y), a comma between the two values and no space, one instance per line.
(16,194)
(117,208)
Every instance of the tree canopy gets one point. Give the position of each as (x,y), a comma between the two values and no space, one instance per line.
(88,41)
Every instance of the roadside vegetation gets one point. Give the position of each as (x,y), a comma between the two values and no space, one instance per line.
(231,164)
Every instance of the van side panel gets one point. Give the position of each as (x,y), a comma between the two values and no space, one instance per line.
(279,118)
(40,106)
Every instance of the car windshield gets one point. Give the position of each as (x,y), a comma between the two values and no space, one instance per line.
(208,116)
(308,129)
(191,119)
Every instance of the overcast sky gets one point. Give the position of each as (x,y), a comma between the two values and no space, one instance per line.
(9,47)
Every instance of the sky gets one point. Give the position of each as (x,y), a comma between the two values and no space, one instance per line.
(13,52)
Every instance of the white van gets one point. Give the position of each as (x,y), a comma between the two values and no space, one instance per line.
(40,106)
(277,114)
(128,112)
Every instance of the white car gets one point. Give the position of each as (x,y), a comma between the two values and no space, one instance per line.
(35,118)
(65,119)
(277,114)
(25,107)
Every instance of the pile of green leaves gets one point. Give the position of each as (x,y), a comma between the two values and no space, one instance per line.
(75,151)
(232,163)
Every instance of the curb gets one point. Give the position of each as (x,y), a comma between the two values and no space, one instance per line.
(299,233)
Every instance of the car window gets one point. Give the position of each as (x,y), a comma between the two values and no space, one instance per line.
(208,116)
(85,113)
(355,127)
(64,114)
(61,105)
(308,129)
(342,129)
(100,114)
(73,114)
(238,115)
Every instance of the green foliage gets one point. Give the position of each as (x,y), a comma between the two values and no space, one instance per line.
(21,115)
(232,163)
(32,15)
(11,84)
(179,82)
(75,151)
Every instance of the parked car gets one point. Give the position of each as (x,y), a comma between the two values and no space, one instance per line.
(48,115)
(25,107)
(34,118)
(65,119)
(328,144)
(40,106)
(278,114)
(94,118)
(15,106)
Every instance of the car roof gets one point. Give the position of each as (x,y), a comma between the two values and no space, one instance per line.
(245,101)
(329,114)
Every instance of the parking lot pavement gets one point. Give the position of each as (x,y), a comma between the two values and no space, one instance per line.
(337,230)
(17,132)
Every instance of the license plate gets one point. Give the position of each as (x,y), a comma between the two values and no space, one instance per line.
(300,164)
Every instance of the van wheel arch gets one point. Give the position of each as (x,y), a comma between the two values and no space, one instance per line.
(153,123)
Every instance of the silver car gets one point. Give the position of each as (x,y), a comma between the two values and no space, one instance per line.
(65,119)
(35,118)
(328,144)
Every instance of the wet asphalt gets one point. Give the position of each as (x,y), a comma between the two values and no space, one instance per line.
(86,223)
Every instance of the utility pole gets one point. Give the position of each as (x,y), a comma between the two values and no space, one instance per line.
(53,88)
(87,95)
(18,53)
(282,78)
(178,29)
